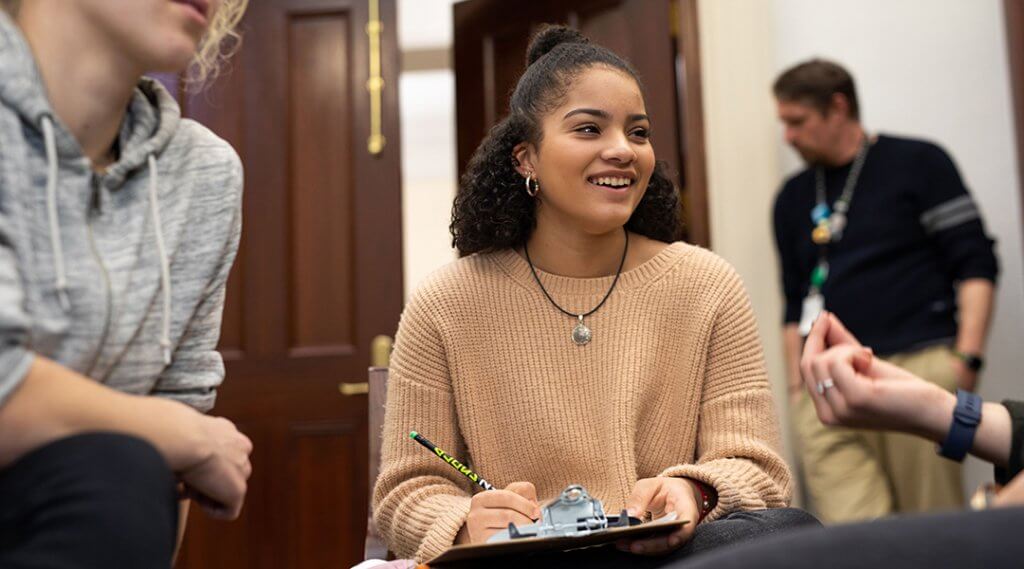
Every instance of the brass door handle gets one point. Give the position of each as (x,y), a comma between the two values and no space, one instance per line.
(375,84)
(380,351)
(380,354)
(349,389)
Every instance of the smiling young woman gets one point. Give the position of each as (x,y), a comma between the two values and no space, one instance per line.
(119,222)
(575,342)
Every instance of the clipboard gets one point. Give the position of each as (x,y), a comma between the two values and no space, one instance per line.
(533,545)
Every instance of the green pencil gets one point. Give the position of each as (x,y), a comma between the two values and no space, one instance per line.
(456,463)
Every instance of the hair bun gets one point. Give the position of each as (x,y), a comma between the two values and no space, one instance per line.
(548,38)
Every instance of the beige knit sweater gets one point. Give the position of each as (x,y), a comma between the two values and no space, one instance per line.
(672,384)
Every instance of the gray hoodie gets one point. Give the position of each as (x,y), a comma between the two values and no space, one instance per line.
(119,276)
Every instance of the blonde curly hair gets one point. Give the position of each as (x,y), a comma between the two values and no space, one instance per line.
(220,42)
(217,46)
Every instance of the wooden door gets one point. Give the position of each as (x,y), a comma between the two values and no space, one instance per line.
(1014,10)
(319,274)
(657,36)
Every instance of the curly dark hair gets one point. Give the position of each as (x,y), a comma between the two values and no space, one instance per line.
(492,210)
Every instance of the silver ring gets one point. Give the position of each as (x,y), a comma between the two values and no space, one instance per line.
(827,383)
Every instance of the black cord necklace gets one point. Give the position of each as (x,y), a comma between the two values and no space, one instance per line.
(581,334)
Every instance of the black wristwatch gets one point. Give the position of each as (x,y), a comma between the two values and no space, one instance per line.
(974,362)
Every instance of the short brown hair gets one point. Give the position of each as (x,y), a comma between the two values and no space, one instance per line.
(814,82)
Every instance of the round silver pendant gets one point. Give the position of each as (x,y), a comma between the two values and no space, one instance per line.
(581,335)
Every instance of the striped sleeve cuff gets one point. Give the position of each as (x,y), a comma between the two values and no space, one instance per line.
(948,214)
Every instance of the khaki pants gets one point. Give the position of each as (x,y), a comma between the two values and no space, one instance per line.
(853,474)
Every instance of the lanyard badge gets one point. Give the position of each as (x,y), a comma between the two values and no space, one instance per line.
(829,223)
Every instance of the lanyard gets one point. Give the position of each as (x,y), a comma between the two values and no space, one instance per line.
(829,223)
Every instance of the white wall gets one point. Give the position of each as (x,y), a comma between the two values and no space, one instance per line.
(427,109)
(427,115)
(424,24)
(737,63)
(935,69)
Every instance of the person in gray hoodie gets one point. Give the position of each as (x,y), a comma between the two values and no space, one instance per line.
(119,223)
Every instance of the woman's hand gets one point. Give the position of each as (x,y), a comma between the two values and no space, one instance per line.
(850,387)
(1012,494)
(661,496)
(492,511)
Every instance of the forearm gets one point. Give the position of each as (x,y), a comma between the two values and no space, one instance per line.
(54,402)
(993,435)
(974,300)
(793,345)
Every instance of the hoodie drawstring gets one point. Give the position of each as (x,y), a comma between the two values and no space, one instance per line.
(58,248)
(50,142)
(165,270)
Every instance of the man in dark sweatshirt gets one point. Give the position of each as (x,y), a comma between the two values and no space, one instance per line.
(881,231)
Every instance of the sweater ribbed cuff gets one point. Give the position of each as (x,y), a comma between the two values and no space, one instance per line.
(740,486)
(438,520)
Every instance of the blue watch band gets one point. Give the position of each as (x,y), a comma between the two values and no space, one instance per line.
(966,417)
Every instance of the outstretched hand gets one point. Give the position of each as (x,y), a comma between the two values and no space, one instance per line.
(1012,495)
(849,386)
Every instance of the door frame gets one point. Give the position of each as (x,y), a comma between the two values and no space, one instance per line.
(1014,12)
(689,96)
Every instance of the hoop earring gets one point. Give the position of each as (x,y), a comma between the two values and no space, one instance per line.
(532,189)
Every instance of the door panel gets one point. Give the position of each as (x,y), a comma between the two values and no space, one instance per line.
(318,276)
(320,501)
(320,183)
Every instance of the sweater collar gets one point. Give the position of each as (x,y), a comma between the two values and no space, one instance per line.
(560,286)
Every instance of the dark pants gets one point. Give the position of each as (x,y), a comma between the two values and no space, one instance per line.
(729,530)
(957,540)
(89,501)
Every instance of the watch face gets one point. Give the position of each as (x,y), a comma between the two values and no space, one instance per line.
(972,361)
